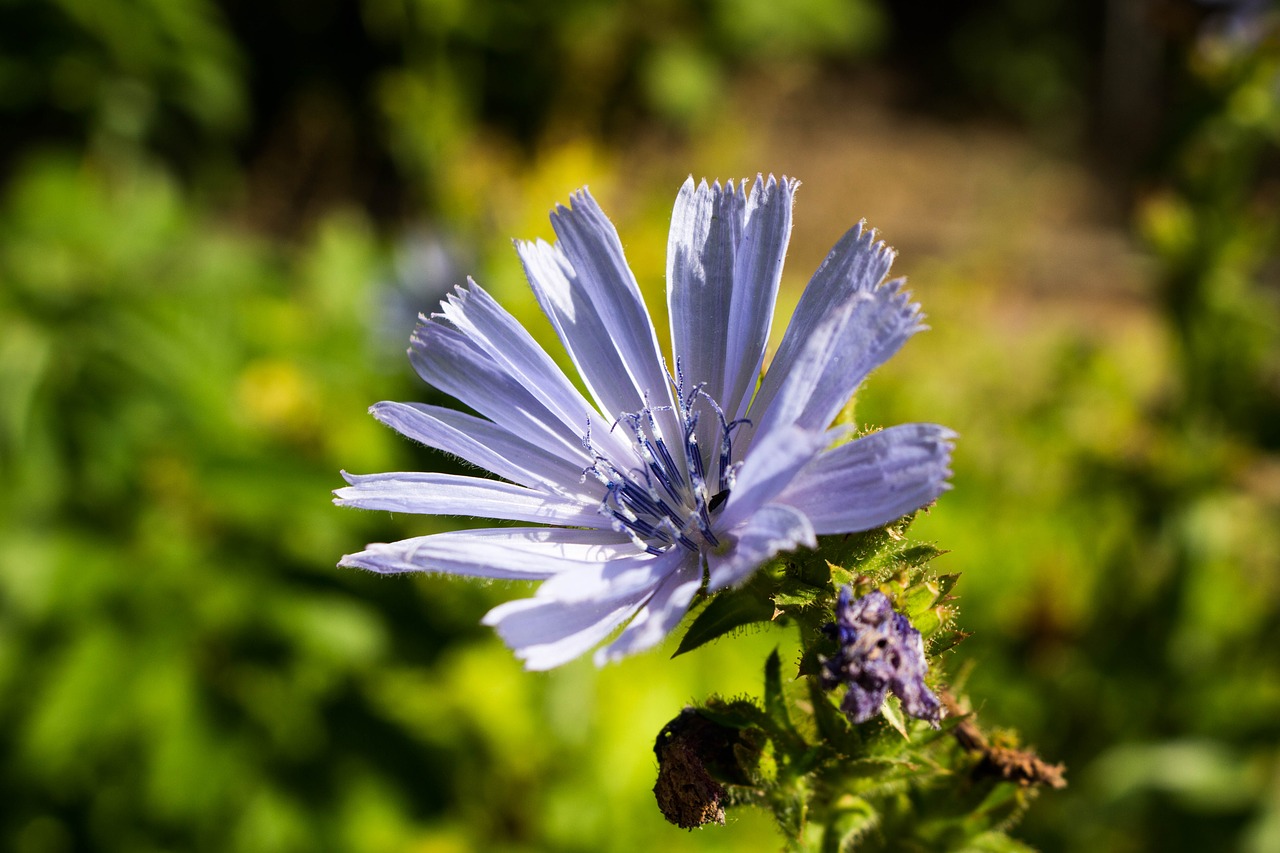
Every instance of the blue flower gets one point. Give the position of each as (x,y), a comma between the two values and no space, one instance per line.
(658,484)
(879,652)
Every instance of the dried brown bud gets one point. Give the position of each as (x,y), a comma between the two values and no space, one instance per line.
(686,792)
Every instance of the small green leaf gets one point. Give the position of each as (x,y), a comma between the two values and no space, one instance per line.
(927,622)
(800,597)
(889,710)
(840,576)
(945,641)
(917,555)
(726,612)
(917,599)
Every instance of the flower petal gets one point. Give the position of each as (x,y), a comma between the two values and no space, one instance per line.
(706,228)
(769,469)
(590,242)
(518,553)
(659,616)
(584,336)
(494,331)
(483,444)
(625,575)
(450,361)
(450,494)
(587,291)
(875,479)
(772,530)
(859,335)
(545,633)
(856,264)
(756,275)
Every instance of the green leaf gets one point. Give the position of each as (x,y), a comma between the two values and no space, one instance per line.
(916,555)
(927,622)
(916,599)
(800,597)
(727,612)
(893,715)
(945,641)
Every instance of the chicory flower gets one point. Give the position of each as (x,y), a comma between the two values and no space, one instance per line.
(660,483)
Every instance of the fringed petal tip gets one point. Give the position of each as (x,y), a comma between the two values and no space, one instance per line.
(862,238)
(580,201)
(762,181)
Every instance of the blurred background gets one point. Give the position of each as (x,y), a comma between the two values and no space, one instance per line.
(218,219)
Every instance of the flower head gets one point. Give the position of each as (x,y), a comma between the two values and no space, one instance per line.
(879,653)
(658,483)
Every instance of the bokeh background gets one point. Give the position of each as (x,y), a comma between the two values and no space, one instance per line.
(218,219)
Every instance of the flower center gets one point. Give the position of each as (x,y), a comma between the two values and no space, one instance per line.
(670,496)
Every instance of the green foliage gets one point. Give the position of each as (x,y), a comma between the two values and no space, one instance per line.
(166,539)
(729,611)
(799,586)
(124,76)
(831,784)
(1214,230)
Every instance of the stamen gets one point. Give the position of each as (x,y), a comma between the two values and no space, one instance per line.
(667,499)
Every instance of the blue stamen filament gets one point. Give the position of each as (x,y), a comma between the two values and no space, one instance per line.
(662,503)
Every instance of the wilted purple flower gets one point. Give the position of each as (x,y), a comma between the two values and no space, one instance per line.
(879,652)
(659,485)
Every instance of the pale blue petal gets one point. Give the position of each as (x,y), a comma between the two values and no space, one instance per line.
(486,445)
(590,243)
(626,575)
(518,553)
(450,494)
(782,399)
(450,361)
(856,264)
(756,275)
(858,335)
(545,633)
(585,288)
(706,228)
(874,480)
(579,326)
(768,470)
(660,615)
(772,530)
(877,328)
(494,331)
